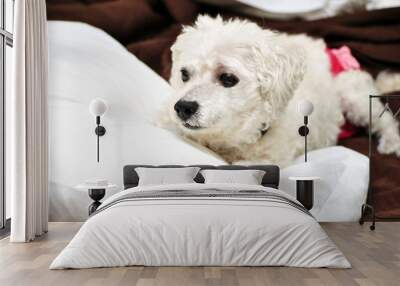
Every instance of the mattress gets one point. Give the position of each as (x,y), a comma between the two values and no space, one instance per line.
(201,225)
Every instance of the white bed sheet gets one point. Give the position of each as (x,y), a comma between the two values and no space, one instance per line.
(224,232)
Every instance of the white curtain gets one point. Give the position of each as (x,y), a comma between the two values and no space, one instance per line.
(26,123)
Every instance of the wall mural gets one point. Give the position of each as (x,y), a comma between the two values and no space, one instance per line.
(222,92)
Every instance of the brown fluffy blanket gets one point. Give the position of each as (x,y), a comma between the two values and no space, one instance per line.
(149,28)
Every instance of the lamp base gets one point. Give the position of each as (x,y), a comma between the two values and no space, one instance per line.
(100,130)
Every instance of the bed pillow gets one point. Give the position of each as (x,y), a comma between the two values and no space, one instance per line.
(166,176)
(246,177)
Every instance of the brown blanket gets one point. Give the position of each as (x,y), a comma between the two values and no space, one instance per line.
(149,28)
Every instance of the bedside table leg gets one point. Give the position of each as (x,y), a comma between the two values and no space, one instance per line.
(96,195)
(93,207)
(305,193)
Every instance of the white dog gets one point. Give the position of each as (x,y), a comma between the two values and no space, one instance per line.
(237,87)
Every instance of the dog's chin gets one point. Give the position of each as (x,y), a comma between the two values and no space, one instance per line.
(191,126)
(196,127)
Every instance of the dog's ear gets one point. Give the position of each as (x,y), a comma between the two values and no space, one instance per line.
(176,64)
(189,39)
(280,65)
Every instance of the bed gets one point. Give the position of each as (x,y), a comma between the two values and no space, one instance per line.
(201,224)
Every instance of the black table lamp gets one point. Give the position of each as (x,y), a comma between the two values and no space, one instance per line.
(97,108)
(305,108)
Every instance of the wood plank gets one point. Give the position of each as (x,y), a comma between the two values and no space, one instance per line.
(375,257)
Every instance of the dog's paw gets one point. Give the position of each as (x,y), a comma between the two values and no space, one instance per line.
(389,145)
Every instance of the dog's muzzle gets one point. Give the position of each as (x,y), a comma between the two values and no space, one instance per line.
(186,109)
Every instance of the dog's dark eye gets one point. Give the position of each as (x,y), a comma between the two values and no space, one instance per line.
(228,79)
(185,75)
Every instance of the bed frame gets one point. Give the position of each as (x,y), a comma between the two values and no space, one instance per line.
(270,179)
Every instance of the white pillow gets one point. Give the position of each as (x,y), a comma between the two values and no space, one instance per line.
(246,177)
(86,63)
(166,176)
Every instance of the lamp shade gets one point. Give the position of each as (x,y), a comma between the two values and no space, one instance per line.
(305,107)
(98,107)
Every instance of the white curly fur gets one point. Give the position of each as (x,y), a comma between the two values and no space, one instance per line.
(275,72)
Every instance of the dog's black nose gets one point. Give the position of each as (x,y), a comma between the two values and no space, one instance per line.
(185,109)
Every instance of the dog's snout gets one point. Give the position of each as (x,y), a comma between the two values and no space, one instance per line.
(185,109)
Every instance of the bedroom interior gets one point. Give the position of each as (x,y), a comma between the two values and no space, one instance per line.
(154,142)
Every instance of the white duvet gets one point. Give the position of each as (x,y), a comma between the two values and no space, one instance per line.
(200,231)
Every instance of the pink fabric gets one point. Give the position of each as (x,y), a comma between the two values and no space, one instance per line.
(342,60)
(348,130)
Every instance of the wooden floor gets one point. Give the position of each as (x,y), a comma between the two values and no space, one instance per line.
(375,257)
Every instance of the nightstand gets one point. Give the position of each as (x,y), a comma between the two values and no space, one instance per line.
(96,193)
(305,190)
